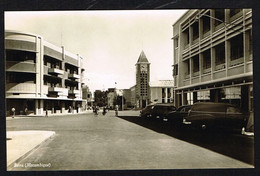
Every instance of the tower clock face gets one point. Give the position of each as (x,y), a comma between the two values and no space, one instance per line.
(143,67)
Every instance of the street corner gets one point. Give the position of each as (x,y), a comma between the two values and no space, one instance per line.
(21,143)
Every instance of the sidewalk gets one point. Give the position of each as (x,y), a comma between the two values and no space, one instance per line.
(49,115)
(20,144)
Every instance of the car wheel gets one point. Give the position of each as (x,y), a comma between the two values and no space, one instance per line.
(203,127)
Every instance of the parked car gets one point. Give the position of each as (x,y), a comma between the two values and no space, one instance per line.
(210,115)
(160,110)
(146,112)
(177,116)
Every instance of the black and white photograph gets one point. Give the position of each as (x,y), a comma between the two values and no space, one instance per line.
(129,90)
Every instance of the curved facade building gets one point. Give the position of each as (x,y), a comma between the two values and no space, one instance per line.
(40,76)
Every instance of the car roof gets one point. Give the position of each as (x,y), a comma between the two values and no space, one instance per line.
(211,103)
(164,104)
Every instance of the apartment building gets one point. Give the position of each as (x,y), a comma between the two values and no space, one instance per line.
(40,76)
(213,58)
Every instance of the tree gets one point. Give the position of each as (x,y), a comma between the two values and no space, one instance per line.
(100,98)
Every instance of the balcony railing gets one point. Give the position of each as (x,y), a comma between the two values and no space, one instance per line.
(74,76)
(21,66)
(56,71)
(74,91)
(56,89)
(20,88)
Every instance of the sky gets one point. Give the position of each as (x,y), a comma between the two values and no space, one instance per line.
(110,42)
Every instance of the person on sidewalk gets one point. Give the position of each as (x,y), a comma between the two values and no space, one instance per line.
(46,109)
(13,110)
(116,110)
(25,111)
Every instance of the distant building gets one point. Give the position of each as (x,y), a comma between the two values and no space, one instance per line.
(86,96)
(40,76)
(142,89)
(213,57)
(162,91)
(111,95)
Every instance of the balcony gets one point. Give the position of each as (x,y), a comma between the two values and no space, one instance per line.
(74,91)
(55,71)
(20,88)
(21,66)
(56,89)
(74,76)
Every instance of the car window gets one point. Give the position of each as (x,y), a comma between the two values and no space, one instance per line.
(183,110)
(232,109)
(209,107)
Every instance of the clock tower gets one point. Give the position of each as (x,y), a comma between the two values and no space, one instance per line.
(142,92)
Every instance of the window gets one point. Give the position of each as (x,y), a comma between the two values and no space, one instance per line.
(220,16)
(186,37)
(233,12)
(169,92)
(250,47)
(236,46)
(175,70)
(196,66)
(187,65)
(206,23)
(195,31)
(206,59)
(163,93)
(220,54)
(176,42)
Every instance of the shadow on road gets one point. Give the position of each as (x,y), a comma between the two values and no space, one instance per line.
(228,143)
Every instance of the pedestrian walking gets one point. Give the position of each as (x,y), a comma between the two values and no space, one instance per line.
(46,109)
(104,111)
(116,110)
(13,110)
(95,110)
(25,110)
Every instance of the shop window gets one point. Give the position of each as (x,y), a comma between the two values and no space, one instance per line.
(206,59)
(236,46)
(220,16)
(220,54)
(196,66)
(195,31)
(206,23)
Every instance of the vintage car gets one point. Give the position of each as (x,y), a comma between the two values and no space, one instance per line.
(146,112)
(158,110)
(177,116)
(211,115)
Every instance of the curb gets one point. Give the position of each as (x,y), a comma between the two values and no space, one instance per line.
(11,165)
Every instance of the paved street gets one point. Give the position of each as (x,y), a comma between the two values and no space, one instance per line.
(86,142)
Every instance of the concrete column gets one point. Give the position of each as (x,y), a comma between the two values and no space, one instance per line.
(36,107)
(41,107)
(184,98)
(63,110)
(166,95)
